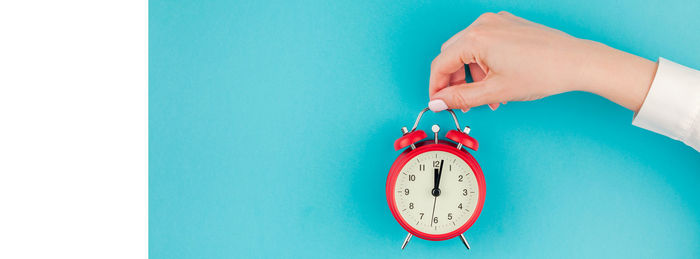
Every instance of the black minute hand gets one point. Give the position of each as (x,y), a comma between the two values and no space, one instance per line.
(439,174)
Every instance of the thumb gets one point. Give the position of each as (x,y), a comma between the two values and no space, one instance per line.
(465,96)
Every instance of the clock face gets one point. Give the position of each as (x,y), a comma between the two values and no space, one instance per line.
(436,192)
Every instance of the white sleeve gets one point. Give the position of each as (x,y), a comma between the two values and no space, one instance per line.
(672,106)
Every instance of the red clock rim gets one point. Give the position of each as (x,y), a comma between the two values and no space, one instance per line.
(427,146)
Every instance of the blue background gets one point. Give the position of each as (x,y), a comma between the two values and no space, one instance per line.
(272,124)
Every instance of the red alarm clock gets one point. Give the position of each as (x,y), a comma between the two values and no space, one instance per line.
(435,188)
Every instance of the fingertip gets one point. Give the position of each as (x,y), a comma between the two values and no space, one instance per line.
(437,105)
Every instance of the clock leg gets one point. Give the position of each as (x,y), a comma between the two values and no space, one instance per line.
(405,241)
(464,241)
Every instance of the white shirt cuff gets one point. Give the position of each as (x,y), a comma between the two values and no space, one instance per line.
(672,106)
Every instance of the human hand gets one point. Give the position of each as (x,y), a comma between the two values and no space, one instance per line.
(512,59)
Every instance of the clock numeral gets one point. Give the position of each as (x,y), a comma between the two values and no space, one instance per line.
(410,205)
(406,191)
(459,206)
(449,216)
(436,164)
(421,215)
(464,192)
(435,220)
(460,178)
(412,177)
(421,167)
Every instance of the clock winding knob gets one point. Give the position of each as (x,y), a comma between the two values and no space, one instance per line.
(436,129)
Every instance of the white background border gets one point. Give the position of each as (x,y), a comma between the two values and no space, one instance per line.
(73,129)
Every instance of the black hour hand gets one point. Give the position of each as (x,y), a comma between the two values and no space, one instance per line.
(436,186)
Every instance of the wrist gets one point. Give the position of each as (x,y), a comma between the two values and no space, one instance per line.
(618,76)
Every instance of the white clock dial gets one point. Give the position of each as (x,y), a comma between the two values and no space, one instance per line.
(436,212)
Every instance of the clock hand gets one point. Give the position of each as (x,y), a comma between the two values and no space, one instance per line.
(437,185)
(436,189)
(433,214)
(436,179)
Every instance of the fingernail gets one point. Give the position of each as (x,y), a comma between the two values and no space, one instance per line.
(437,105)
(491,107)
(465,110)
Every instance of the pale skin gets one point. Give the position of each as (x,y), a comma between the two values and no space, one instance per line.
(513,59)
